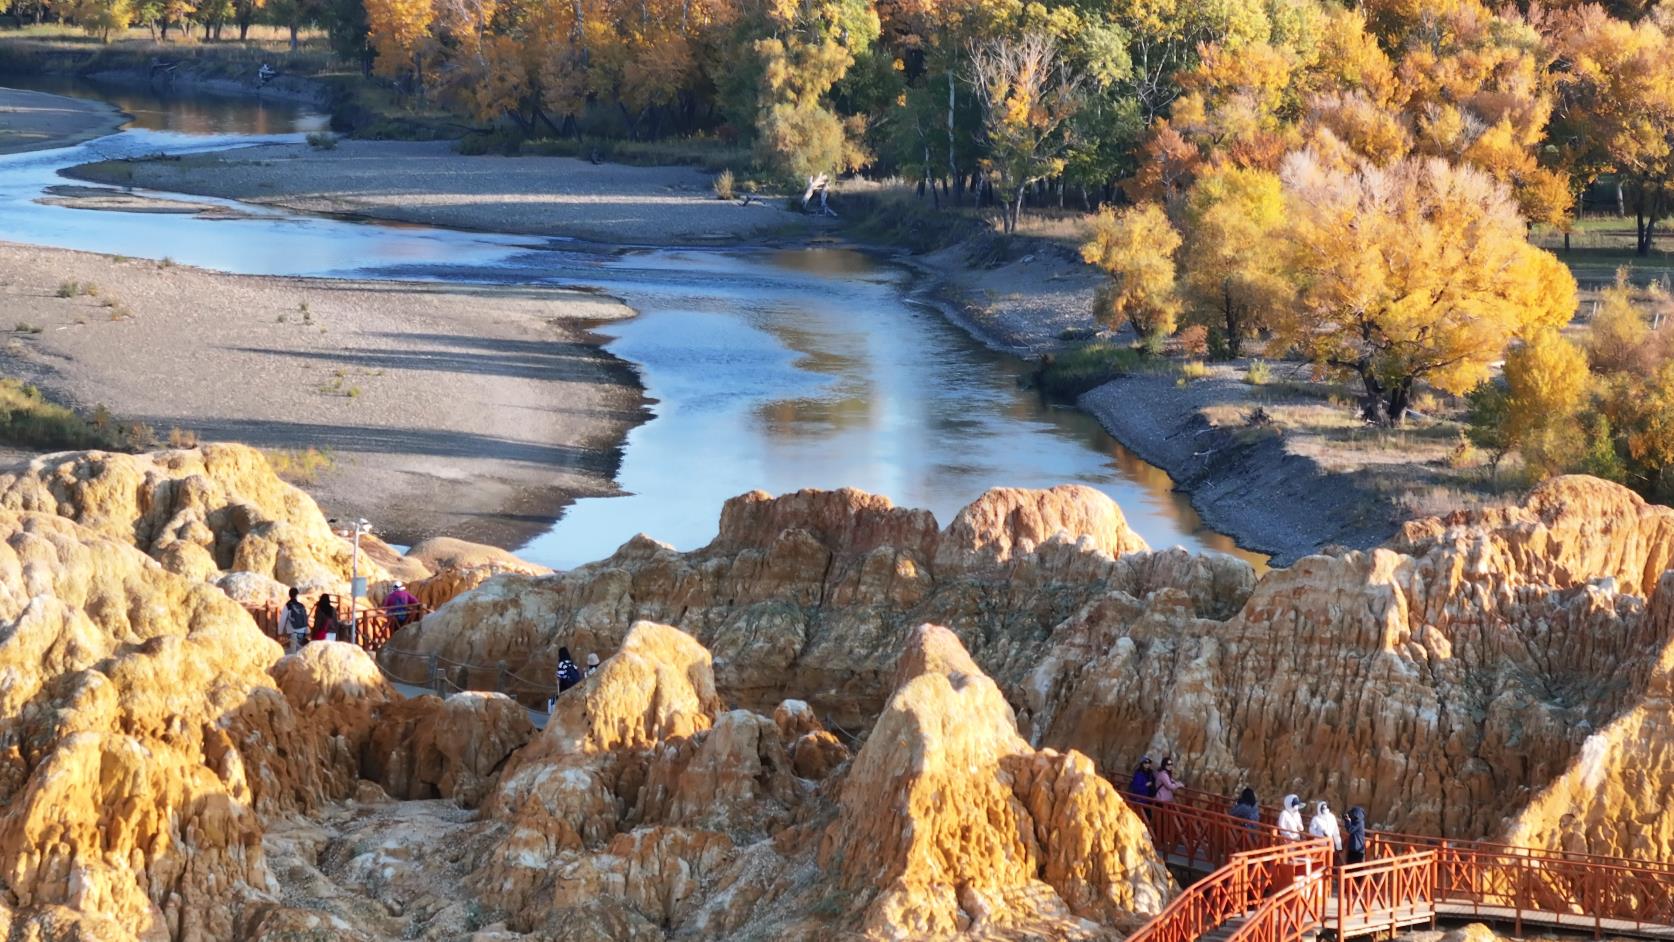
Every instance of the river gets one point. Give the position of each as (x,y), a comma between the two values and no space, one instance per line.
(771,369)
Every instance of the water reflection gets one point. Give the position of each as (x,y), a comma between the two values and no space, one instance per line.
(157,107)
(775,370)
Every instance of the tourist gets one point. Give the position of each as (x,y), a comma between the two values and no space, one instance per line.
(1167,784)
(1354,842)
(325,618)
(400,604)
(568,674)
(1324,825)
(1247,808)
(1290,818)
(293,623)
(592,664)
(1144,783)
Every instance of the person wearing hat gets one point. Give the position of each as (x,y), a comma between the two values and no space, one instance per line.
(1290,819)
(592,665)
(400,604)
(1144,784)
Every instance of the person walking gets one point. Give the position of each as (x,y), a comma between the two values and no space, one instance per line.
(1354,841)
(1167,784)
(400,604)
(592,664)
(1247,808)
(1144,782)
(293,622)
(1324,824)
(325,618)
(1290,818)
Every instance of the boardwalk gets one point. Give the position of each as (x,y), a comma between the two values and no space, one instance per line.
(1259,887)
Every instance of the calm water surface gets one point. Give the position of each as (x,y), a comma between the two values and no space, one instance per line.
(769,369)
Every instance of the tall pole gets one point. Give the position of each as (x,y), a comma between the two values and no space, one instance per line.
(361,526)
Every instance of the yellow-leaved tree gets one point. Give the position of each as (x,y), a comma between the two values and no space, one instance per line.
(399,31)
(1135,247)
(1233,278)
(1546,380)
(1416,271)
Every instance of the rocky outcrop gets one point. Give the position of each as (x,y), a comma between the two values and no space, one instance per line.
(645,808)
(1475,678)
(810,595)
(197,511)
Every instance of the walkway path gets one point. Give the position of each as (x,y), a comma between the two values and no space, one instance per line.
(1261,887)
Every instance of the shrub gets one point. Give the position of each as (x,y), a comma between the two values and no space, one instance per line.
(322,140)
(24,327)
(1193,341)
(1463,454)
(299,466)
(68,289)
(182,438)
(723,185)
(1260,373)
(1194,369)
(27,418)
(1076,371)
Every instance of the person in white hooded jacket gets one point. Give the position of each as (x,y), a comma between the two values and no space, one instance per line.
(1290,819)
(1324,825)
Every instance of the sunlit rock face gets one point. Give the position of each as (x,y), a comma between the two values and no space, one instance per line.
(1445,681)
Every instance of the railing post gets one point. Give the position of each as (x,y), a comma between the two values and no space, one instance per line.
(1342,903)
(502,678)
(433,674)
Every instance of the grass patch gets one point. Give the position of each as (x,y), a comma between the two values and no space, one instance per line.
(724,185)
(76,289)
(1260,373)
(322,140)
(1194,369)
(1073,372)
(28,419)
(299,465)
(24,327)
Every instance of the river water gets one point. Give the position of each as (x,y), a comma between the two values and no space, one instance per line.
(769,369)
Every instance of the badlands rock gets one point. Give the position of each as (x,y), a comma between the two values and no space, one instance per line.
(645,811)
(811,594)
(1485,674)
(197,511)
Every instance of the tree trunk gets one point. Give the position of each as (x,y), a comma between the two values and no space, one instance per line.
(243,28)
(952,165)
(1621,200)
(294,42)
(1234,324)
(165,30)
(1017,208)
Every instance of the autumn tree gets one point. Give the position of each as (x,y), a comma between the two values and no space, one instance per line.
(1135,247)
(1618,339)
(98,18)
(400,30)
(1616,81)
(1029,99)
(244,14)
(809,46)
(1415,272)
(1547,382)
(1232,269)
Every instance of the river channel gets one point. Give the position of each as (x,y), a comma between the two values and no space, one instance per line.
(775,369)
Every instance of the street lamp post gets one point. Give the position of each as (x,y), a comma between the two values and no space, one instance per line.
(356,587)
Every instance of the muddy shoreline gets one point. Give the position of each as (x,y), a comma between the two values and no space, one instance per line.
(31,121)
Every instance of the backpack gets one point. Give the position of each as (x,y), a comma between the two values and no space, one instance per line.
(568,675)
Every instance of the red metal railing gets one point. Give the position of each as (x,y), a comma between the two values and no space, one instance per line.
(1407,879)
(373,626)
(1383,895)
(1281,883)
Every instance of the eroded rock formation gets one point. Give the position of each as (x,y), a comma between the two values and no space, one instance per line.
(1480,676)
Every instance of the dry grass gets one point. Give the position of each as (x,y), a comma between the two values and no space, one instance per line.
(299,465)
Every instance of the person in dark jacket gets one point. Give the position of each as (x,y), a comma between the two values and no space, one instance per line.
(1144,784)
(1246,807)
(1354,841)
(325,618)
(568,674)
(295,623)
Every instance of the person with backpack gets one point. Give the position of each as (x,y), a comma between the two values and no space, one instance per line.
(293,623)
(568,674)
(401,605)
(1354,842)
(325,618)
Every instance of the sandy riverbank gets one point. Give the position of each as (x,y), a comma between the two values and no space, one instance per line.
(426,182)
(475,412)
(37,121)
